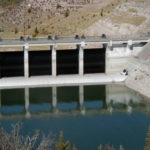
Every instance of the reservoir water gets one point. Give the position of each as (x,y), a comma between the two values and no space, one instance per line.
(89,115)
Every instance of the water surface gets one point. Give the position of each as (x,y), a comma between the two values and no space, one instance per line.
(88,115)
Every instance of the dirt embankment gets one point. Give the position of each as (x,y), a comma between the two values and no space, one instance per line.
(139,78)
(139,73)
(130,17)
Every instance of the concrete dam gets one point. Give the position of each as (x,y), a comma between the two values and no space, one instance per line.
(83,64)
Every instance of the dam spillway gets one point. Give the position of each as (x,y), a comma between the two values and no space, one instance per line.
(40,62)
(109,58)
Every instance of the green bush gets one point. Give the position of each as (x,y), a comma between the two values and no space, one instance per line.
(4,3)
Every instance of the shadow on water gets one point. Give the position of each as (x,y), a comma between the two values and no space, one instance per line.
(88,115)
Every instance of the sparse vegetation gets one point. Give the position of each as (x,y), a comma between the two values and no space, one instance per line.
(13,140)
(67,13)
(35,33)
(1,30)
(9,3)
(147,147)
(16,30)
(132,10)
(130,20)
(66,17)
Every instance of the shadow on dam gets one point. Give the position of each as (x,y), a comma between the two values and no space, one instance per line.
(40,62)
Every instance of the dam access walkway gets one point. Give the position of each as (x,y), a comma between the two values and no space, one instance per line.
(64,80)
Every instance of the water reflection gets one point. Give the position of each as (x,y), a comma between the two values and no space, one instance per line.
(75,100)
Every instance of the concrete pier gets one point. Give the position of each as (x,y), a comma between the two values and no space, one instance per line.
(81,96)
(27,103)
(0,103)
(54,97)
(129,109)
(110,46)
(54,63)
(81,59)
(81,100)
(26,60)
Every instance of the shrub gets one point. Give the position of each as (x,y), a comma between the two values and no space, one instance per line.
(67,13)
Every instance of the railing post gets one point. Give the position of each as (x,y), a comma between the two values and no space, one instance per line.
(130,45)
(26,60)
(110,45)
(54,62)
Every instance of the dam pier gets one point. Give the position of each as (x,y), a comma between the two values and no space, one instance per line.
(84,64)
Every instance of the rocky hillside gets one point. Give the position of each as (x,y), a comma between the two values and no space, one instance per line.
(30,13)
(70,17)
(129,17)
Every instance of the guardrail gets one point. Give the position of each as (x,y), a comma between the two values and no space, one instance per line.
(72,40)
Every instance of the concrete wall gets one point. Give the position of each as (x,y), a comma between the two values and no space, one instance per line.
(139,77)
(118,56)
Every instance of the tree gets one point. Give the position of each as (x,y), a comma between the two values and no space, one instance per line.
(63,145)
(36,32)
(147,147)
(102,13)
(16,30)
(67,13)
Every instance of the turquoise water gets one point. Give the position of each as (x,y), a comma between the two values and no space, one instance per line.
(88,115)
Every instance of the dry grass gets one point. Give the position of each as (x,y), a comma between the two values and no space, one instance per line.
(13,140)
(75,23)
(130,20)
(132,10)
(79,20)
